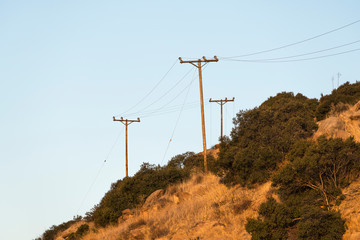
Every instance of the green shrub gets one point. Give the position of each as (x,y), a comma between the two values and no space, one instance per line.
(309,222)
(51,233)
(325,167)
(272,223)
(263,136)
(132,191)
(82,230)
(346,93)
(319,224)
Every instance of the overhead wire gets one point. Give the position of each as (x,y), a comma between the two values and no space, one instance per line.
(99,171)
(305,54)
(152,90)
(188,107)
(173,99)
(177,121)
(166,93)
(161,109)
(294,60)
(294,43)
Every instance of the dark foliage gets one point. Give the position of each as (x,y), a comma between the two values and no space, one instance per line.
(317,224)
(132,191)
(262,137)
(277,220)
(51,233)
(346,93)
(325,167)
(272,223)
(193,162)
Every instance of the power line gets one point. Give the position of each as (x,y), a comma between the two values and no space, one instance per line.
(148,94)
(170,108)
(162,107)
(177,121)
(166,93)
(295,43)
(99,171)
(305,54)
(295,60)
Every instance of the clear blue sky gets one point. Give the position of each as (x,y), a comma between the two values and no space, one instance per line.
(66,67)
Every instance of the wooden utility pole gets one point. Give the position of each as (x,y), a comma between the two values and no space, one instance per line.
(199,64)
(126,122)
(221,102)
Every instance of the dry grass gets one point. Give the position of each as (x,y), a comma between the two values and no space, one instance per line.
(72,229)
(350,210)
(342,123)
(200,207)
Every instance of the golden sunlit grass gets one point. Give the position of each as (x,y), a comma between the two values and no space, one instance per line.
(350,208)
(200,207)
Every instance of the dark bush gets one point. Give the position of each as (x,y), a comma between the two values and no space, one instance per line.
(325,167)
(346,93)
(272,223)
(51,233)
(319,224)
(82,230)
(132,191)
(263,136)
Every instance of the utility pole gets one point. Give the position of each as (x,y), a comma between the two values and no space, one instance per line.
(338,77)
(221,102)
(126,122)
(199,63)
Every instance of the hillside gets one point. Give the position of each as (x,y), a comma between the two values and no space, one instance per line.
(200,207)
(341,124)
(281,174)
(350,210)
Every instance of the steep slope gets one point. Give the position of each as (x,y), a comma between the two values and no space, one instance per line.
(200,207)
(350,210)
(341,124)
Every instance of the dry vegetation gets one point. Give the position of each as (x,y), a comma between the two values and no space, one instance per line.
(200,207)
(350,210)
(343,122)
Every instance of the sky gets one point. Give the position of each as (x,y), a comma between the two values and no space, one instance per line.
(67,67)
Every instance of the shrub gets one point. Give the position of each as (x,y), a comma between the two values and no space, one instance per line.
(273,222)
(51,233)
(325,167)
(318,224)
(82,230)
(132,191)
(308,222)
(346,93)
(241,206)
(263,136)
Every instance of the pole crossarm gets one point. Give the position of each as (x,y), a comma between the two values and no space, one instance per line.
(199,63)
(126,122)
(222,101)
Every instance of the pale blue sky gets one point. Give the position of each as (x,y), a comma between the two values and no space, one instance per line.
(66,67)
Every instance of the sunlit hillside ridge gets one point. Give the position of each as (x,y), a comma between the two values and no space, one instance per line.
(286,170)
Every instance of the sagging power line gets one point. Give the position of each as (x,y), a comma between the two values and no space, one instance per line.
(126,122)
(294,43)
(199,64)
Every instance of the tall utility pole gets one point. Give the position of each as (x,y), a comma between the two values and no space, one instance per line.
(221,102)
(126,122)
(199,64)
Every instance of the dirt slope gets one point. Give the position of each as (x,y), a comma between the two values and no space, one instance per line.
(341,125)
(350,210)
(200,207)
